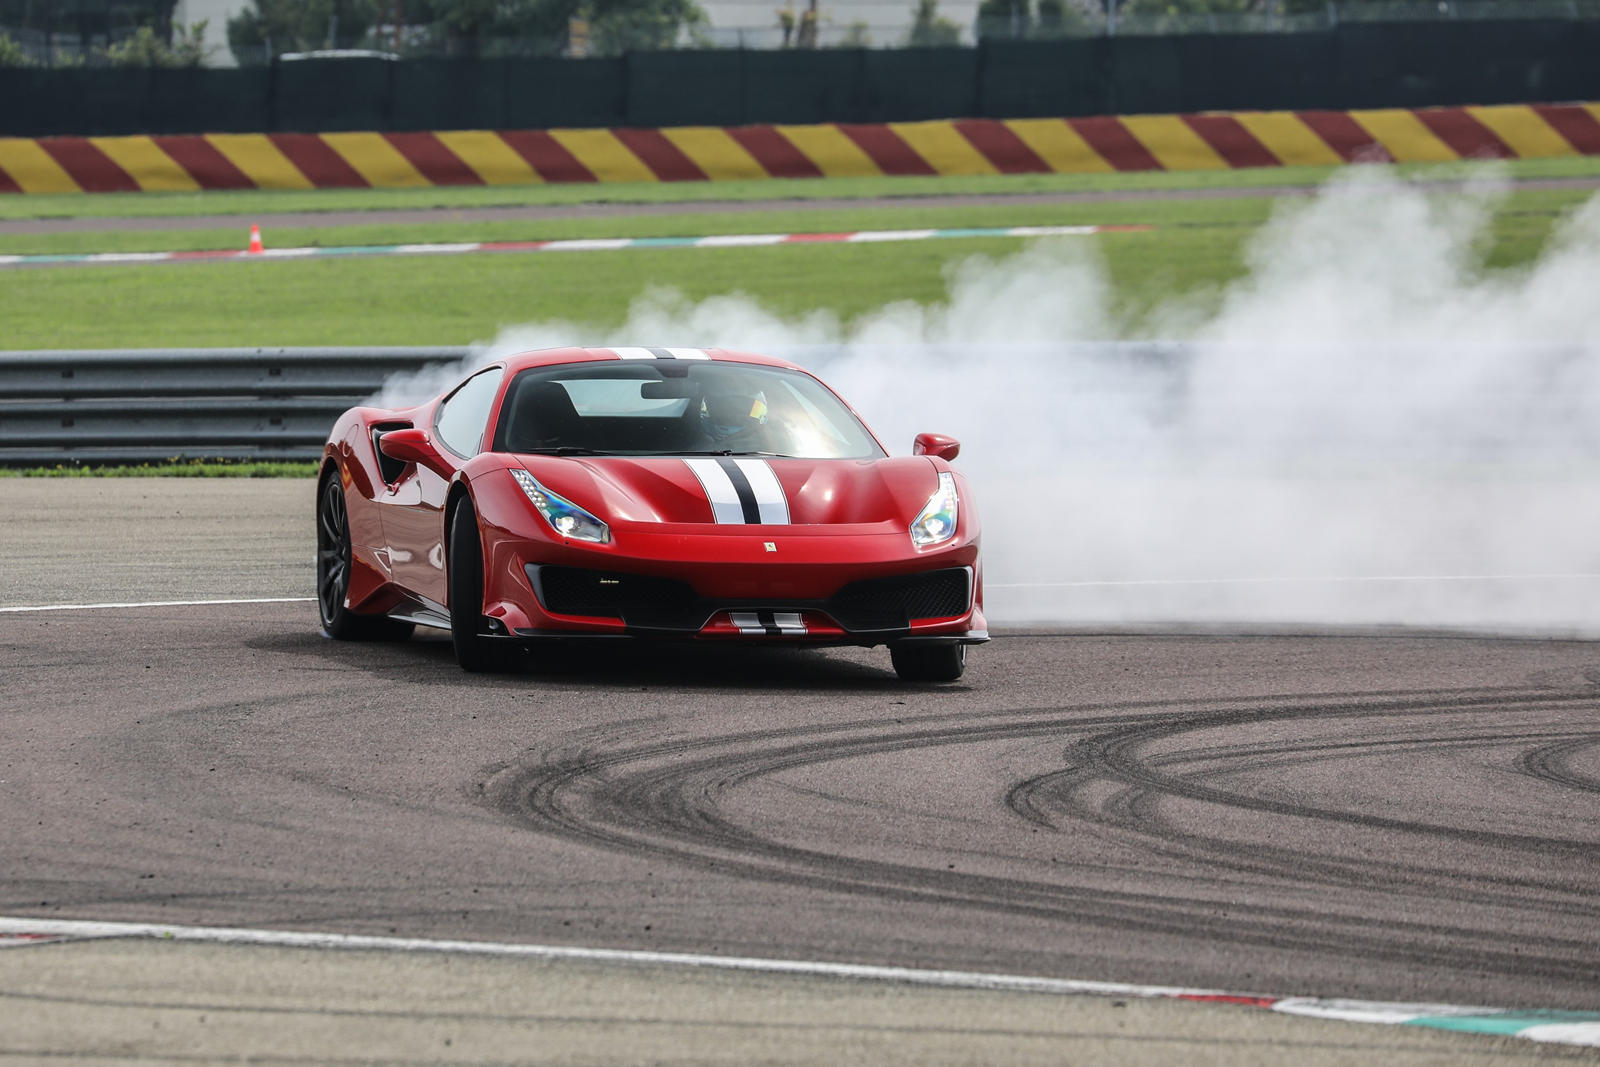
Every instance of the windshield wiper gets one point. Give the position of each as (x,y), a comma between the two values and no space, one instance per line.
(564,450)
(735,452)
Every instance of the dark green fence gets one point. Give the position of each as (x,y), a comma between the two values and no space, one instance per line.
(1354,66)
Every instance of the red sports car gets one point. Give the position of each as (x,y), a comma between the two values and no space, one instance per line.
(645,493)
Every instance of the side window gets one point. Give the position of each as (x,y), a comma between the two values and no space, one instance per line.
(460,419)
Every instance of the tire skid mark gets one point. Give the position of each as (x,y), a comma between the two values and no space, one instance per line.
(1553,763)
(668,799)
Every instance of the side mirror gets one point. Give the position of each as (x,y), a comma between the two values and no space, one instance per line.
(414,446)
(932,444)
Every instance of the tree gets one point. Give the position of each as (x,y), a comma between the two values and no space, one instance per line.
(13,54)
(929,29)
(145,49)
(300,25)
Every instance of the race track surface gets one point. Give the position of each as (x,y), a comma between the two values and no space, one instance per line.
(1404,818)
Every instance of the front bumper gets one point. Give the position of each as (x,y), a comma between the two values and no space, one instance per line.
(866,611)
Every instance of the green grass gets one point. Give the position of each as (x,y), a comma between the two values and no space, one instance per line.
(254,203)
(174,469)
(1245,211)
(1193,254)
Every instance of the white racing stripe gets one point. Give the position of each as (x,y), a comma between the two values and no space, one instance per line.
(1578,1028)
(787,623)
(158,604)
(725,506)
(748,622)
(770,500)
(636,352)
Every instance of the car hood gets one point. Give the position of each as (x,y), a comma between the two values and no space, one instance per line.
(769,491)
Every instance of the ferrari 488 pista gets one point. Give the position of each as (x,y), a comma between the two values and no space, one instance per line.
(649,493)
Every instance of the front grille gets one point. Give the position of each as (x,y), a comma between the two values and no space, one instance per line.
(644,603)
(891,603)
(636,599)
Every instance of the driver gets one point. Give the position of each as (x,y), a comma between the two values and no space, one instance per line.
(736,421)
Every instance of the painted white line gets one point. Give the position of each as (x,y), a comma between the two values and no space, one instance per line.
(1575,1028)
(1053,231)
(592,244)
(1299,581)
(1564,1033)
(741,240)
(444,249)
(870,236)
(158,604)
(297,939)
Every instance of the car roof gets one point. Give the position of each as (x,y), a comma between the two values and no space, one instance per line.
(549,356)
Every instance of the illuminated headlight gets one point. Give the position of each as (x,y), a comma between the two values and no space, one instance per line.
(564,517)
(937,523)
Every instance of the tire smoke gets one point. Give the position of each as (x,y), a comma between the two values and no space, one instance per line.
(1372,427)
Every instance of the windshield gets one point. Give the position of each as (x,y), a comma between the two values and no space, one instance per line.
(676,408)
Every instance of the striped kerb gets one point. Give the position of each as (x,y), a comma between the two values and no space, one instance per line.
(1104,144)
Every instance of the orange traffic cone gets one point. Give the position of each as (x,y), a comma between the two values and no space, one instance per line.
(255,239)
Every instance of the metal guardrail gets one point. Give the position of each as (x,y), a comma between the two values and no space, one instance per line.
(152,405)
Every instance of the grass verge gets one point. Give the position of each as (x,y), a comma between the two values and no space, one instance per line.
(446,300)
(1246,211)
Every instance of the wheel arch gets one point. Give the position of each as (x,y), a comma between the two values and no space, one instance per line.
(459,491)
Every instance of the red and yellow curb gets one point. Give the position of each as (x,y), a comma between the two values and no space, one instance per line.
(1214,141)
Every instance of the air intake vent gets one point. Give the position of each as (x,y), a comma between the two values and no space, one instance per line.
(889,603)
(635,599)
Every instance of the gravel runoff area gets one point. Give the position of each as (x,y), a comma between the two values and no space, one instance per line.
(511,213)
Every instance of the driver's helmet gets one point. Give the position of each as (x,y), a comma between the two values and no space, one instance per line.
(722,415)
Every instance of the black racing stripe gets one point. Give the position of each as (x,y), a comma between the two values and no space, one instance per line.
(741,486)
(769,622)
(660,353)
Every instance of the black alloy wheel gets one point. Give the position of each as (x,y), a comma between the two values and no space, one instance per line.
(333,575)
(917,662)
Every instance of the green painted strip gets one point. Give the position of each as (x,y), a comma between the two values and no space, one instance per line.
(1507,1023)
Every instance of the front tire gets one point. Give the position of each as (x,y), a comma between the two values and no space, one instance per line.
(915,662)
(334,561)
(474,652)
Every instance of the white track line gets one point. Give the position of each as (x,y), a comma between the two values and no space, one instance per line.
(157,604)
(296,939)
(1571,1028)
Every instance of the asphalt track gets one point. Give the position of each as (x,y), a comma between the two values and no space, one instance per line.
(1402,818)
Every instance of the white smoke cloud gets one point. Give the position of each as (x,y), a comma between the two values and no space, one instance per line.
(1371,427)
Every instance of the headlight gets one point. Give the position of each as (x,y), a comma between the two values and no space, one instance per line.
(564,517)
(937,523)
